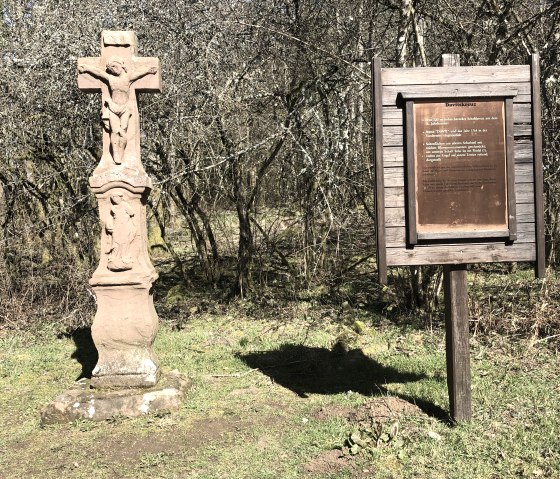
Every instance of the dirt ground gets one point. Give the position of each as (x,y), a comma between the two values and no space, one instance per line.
(377,411)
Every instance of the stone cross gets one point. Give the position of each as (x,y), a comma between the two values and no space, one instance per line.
(126,322)
(118,74)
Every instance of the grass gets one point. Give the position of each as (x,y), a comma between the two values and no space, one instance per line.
(254,410)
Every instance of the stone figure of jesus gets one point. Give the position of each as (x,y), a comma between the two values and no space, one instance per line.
(122,228)
(117,110)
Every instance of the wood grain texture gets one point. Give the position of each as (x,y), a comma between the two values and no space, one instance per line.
(410,177)
(394,197)
(523,151)
(457,352)
(396,235)
(457,254)
(511,170)
(456,90)
(522,113)
(524,193)
(540,266)
(457,82)
(467,91)
(377,122)
(446,75)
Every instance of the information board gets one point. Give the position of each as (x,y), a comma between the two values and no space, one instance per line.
(458,165)
(460,168)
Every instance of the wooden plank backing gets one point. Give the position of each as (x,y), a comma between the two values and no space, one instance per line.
(458,254)
(391,93)
(446,75)
(455,81)
(512,170)
(396,236)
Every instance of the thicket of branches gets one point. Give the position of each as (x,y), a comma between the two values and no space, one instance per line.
(259,145)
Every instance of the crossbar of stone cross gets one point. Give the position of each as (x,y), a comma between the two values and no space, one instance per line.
(126,322)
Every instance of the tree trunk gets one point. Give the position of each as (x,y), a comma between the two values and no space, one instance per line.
(245,252)
(404,32)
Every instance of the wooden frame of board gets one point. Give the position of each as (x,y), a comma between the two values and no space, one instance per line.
(521,236)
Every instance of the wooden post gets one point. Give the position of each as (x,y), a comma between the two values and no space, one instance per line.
(457,324)
(457,341)
(377,126)
(540,265)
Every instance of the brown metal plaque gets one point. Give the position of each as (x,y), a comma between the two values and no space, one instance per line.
(460,168)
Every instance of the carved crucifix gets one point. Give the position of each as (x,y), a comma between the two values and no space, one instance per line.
(126,322)
(119,74)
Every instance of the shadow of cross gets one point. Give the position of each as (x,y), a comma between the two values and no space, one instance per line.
(119,74)
(313,370)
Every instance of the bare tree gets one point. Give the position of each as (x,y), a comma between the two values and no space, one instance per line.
(258,145)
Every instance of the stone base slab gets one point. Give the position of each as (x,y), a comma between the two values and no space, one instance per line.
(83,402)
(123,381)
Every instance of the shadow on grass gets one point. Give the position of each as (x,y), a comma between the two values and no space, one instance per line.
(85,353)
(311,370)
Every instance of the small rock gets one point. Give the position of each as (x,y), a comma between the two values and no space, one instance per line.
(434,435)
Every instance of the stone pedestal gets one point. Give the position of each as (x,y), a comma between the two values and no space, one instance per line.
(123,331)
(126,322)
